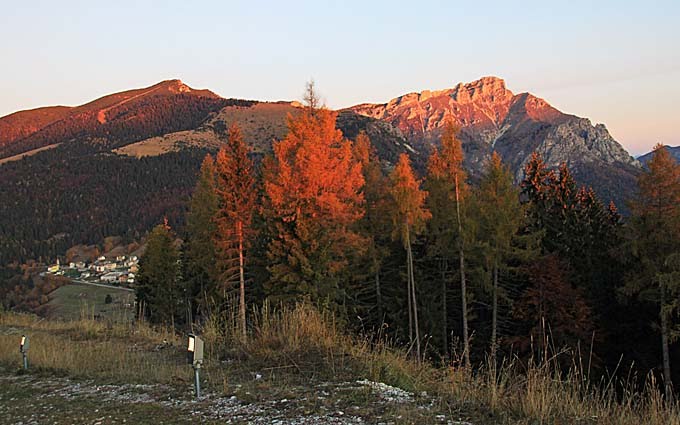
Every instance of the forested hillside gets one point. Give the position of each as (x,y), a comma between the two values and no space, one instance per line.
(460,273)
(80,194)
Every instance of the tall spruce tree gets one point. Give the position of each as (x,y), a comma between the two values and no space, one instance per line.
(500,217)
(446,165)
(442,231)
(199,252)
(375,225)
(237,196)
(655,241)
(577,227)
(159,290)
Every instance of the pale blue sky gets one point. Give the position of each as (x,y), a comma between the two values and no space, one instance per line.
(616,62)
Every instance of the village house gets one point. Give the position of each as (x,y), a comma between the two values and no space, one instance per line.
(110,277)
(54,268)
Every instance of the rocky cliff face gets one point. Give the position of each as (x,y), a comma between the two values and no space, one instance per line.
(492,118)
(490,114)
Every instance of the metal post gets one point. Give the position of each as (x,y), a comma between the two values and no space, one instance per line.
(197,380)
(25,361)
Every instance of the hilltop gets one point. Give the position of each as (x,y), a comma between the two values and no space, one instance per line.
(114,119)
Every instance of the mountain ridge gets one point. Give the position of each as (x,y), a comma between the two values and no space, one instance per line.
(674,151)
(103,116)
(491,118)
(122,162)
(485,110)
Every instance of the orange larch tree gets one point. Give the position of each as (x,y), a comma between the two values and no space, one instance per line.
(446,165)
(313,186)
(237,197)
(409,217)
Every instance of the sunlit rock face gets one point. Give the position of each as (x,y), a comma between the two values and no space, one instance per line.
(492,118)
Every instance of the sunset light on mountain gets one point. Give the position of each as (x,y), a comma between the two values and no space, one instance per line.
(340,212)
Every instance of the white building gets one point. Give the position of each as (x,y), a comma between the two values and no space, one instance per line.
(110,277)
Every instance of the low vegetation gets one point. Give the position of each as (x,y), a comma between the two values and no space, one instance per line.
(74,301)
(292,352)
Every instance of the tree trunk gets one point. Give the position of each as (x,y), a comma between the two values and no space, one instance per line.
(667,380)
(242,281)
(408,289)
(409,258)
(378,295)
(494,313)
(445,327)
(463,286)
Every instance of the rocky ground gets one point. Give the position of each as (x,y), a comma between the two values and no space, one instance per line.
(43,399)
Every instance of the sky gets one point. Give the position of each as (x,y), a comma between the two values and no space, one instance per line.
(615,62)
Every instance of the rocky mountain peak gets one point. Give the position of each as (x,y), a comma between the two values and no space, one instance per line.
(485,89)
(493,119)
(177,86)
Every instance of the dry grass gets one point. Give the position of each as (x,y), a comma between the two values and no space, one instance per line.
(299,345)
(88,348)
(308,342)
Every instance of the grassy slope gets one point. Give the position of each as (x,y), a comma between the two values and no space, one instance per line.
(73,301)
(295,367)
(260,124)
(86,371)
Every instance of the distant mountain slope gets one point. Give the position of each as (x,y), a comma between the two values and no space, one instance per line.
(674,150)
(262,123)
(119,164)
(24,123)
(112,120)
(492,118)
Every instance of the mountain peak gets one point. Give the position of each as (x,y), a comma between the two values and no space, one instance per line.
(486,88)
(483,104)
(490,82)
(176,86)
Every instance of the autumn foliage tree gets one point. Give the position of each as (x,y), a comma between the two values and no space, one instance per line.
(409,218)
(237,196)
(446,166)
(313,186)
(554,313)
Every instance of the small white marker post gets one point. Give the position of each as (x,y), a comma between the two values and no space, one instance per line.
(23,348)
(195,359)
